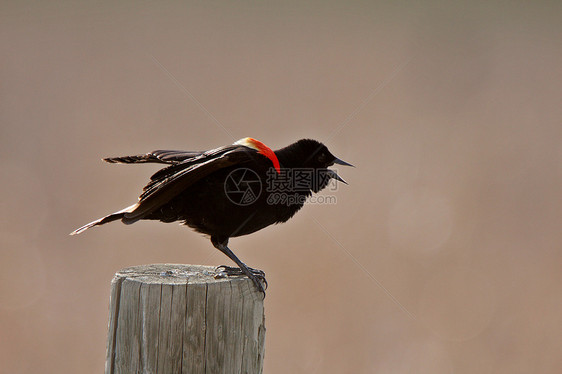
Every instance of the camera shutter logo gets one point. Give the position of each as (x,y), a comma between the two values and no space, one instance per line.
(243,186)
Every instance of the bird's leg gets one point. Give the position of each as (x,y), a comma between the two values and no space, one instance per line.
(257,276)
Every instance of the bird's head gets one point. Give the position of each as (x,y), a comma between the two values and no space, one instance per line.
(309,153)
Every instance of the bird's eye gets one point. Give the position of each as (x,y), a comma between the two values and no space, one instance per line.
(322,157)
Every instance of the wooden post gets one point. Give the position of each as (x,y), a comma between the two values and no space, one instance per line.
(179,319)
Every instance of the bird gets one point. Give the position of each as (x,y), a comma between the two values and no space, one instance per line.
(229,191)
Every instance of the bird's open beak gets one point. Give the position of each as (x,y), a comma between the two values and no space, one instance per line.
(335,176)
(333,173)
(342,162)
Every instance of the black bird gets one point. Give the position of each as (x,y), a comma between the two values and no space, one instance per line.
(229,191)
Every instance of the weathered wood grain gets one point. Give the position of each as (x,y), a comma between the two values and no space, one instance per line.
(179,319)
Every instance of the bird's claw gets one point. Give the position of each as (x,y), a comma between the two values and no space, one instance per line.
(234,270)
(257,276)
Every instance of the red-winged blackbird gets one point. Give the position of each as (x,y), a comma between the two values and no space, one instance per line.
(229,191)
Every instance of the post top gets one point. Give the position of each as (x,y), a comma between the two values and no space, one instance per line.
(171,274)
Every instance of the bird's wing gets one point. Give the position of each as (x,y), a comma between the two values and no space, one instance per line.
(159,156)
(167,183)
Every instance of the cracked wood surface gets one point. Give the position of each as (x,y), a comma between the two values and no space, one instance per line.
(169,318)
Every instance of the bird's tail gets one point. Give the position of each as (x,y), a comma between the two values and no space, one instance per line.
(112,217)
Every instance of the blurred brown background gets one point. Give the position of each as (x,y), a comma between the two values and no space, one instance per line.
(443,255)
